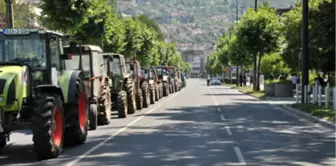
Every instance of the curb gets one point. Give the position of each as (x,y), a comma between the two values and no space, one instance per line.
(260,98)
(311,117)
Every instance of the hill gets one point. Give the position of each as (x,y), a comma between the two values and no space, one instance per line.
(192,23)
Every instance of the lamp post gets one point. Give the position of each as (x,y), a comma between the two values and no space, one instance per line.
(304,43)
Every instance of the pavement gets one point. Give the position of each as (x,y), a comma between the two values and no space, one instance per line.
(199,126)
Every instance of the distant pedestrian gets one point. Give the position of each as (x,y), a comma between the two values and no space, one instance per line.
(294,80)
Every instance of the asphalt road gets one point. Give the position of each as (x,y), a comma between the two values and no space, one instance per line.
(198,126)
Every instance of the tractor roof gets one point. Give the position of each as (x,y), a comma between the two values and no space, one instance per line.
(92,48)
(27,31)
(114,55)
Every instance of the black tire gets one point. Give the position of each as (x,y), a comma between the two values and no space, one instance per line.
(104,116)
(93,116)
(145,94)
(152,94)
(3,140)
(122,104)
(166,89)
(131,104)
(47,114)
(156,92)
(139,99)
(76,129)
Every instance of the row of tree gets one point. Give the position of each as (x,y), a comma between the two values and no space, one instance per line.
(274,41)
(97,22)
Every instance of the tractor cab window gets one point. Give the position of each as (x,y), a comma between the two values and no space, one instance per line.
(159,71)
(151,75)
(130,68)
(144,74)
(115,66)
(29,49)
(73,63)
(55,53)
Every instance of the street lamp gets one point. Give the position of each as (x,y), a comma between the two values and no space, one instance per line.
(9,13)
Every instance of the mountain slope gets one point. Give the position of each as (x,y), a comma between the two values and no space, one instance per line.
(192,22)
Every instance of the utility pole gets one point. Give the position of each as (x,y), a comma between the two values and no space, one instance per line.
(9,13)
(237,68)
(305,46)
(255,75)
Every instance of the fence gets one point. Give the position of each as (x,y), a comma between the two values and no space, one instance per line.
(323,96)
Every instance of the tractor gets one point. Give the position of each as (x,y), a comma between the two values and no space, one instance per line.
(133,67)
(157,84)
(146,88)
(163,77)
(37,93)
(121,84)
(95,80)
(174,80)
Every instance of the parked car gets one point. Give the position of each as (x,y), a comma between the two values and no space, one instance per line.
(215,81)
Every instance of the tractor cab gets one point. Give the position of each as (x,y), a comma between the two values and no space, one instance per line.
(116,70)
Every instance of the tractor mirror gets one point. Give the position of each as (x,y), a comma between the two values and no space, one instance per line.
(131,67)
(66,56)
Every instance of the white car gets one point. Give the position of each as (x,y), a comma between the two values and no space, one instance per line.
(215,81)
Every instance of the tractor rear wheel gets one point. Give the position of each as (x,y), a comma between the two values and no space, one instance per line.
(48,126)
(104,116)
(145,94)
(122,104)
(77,118)
(152,94)
(139,99)
(131,105)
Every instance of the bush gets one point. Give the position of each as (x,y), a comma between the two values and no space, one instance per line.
(273,64)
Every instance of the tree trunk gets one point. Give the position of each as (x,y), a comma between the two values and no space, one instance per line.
(258,72)
(254,72)
(237,76)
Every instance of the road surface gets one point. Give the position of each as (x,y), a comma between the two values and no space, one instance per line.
(198,126)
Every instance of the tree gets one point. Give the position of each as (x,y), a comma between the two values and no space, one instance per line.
(273,64)
(152,25)
(322,35)
(259,32)
(22,14)
(64,15)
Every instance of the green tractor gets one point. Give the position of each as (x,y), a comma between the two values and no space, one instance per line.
(95,80)
(37,93)
(121,85)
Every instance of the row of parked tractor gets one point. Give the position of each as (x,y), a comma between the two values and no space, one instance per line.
(62,91)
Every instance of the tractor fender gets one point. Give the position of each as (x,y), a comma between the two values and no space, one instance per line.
(67,83)
(50,89)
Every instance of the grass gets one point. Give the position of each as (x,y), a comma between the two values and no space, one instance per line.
(313,109)
(247,90)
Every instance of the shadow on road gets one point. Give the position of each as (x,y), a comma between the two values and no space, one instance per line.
(196,135)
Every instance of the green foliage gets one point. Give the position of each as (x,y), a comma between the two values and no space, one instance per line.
(22,14)
(273,64)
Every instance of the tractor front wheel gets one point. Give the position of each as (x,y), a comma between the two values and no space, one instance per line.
(48,126)
(139,99)
(104,116)
(152,94)
(93,116)
(145,94)
(122,104)
(3,140)
(77,118)
(130,97)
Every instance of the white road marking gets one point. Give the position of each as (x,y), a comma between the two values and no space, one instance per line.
(218,109)
(228,130)
(216,103)
(239,155)
(79,158)
(222,117)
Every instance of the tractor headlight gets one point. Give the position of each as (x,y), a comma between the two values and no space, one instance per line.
(2,98)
